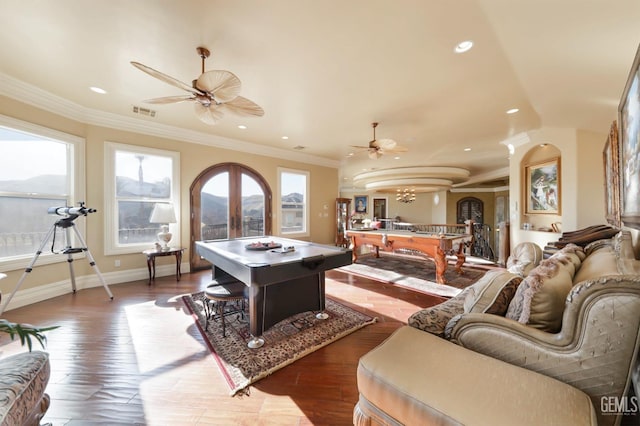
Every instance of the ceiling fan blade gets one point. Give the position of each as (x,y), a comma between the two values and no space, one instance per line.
(243,107)
(398,148)
(169,80)
(386,144)
(360,146)
(224,86)
(210,115)
(170,99)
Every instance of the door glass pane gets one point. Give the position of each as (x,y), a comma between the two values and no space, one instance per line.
(214,208)
(252,207)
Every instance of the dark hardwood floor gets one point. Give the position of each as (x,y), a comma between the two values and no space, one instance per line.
(139,359)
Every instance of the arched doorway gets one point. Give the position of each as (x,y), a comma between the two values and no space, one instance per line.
(228,200)
(470,208)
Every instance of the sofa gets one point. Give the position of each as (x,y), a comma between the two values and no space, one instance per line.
(546,348)
(23,379)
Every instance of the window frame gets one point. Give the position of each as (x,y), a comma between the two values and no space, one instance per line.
(306,232)
(76,185)
(111,244)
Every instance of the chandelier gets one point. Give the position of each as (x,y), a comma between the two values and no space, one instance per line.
(406,196)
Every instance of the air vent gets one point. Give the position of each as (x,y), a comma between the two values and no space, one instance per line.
(144,111)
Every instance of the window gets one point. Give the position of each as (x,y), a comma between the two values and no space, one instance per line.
(470,208)
(40,168)
(294,202)
(136,179)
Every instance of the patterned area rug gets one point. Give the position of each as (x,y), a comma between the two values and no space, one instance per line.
(413,272)
(285,342)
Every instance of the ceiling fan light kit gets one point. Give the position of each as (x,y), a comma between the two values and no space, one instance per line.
(214,92)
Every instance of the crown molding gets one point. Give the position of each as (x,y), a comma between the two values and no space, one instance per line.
(41,99)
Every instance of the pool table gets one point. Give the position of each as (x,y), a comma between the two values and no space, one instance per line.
(435,246)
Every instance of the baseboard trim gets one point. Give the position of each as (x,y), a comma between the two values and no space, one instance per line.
(47,291)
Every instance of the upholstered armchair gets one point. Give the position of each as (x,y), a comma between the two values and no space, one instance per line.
(595,349)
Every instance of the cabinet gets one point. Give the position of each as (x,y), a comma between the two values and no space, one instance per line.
(343,216)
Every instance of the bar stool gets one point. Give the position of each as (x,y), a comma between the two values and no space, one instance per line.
(218,294)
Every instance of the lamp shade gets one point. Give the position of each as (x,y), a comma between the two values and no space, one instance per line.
(163,213)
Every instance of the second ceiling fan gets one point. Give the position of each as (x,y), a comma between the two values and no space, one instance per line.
(377,147)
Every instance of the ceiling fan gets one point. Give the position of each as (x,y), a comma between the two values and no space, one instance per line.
(377,148)
(214,92)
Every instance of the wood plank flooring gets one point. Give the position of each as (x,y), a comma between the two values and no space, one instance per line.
(140,360)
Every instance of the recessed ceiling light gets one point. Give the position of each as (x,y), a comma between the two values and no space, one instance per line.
(467,149)
(350,154)
(242,126)
(98,90)
(285,137)
(396,158)
(463,46)
(512,110)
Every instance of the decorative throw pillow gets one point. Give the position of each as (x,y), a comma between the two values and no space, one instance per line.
(524,257)
(540,299)
(492,293)
(434,319)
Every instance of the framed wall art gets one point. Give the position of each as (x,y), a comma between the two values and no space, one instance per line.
(360,203)
(542,187)
(611,158)
(629,135)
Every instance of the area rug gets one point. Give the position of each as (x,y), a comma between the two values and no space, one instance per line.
(413,272)
(285,342)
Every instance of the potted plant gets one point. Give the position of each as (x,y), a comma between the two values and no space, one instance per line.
(26,332)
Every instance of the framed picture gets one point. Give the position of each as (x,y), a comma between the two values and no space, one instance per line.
(629,134)
(543,187)
(360,203)
(611,158)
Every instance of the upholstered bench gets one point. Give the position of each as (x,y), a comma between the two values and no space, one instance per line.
(23,379)
(415,378)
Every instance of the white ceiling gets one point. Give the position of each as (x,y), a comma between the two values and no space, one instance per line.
(323,71)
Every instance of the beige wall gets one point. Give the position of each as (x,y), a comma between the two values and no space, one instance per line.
(419,211)
(194,158)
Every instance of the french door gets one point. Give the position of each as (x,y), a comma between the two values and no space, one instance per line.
(228,200)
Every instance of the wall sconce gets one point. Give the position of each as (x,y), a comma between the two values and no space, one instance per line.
(436,199)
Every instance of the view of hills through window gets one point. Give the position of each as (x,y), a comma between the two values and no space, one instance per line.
(34,176)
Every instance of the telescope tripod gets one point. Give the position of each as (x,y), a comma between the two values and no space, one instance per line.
(67,224)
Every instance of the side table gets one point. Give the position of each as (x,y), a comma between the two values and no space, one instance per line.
(151,260)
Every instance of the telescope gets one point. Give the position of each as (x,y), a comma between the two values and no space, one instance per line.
(71,211)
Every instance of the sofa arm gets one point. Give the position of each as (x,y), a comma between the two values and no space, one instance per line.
(594,350)
(23,379)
